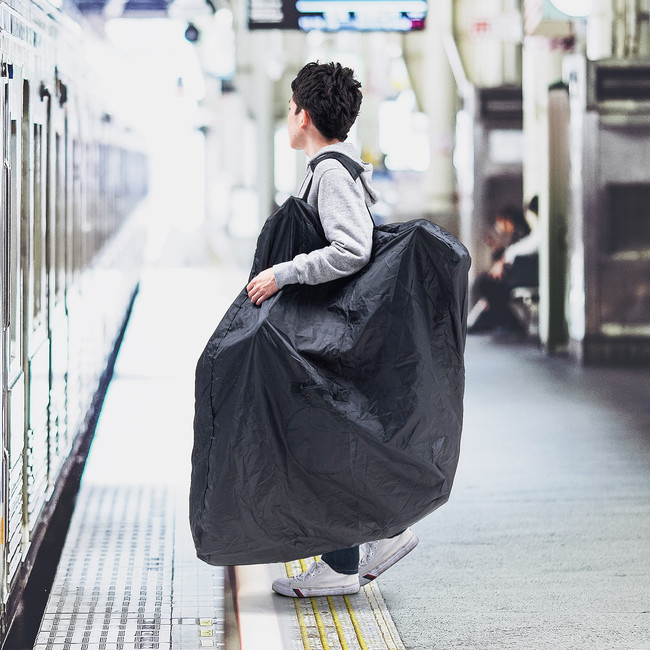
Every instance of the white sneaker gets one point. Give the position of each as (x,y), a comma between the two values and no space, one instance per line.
(381,555)
(319,580)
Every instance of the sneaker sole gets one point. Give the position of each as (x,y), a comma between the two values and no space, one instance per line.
(313,592)
(388,563)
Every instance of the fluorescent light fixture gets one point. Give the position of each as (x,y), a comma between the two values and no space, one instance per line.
(576,8)
(346,6)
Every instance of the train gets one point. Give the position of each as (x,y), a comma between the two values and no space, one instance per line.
(74,173)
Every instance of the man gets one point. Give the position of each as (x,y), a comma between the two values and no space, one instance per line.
(325,104)
(514,265)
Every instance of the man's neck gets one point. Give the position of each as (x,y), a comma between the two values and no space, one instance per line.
(316,145)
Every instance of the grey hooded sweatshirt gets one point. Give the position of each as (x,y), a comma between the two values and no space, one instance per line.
(341,203)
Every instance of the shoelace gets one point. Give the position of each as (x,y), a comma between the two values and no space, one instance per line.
(313,570)
(370,548)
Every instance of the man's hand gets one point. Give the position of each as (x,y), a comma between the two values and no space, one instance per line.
(262,286)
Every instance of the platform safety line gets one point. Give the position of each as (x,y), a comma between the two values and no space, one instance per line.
(337,623)
(378,607)
(355,623)
(303,626)
(319,624)
(336,618)
(319,620)
(301,619)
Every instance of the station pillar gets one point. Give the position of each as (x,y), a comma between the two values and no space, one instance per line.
(436,92)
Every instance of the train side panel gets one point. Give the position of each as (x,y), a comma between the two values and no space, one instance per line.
(70,257)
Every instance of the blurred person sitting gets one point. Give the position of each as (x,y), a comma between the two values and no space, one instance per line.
(516,265)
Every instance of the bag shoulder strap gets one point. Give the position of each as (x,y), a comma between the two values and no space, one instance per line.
(354,168)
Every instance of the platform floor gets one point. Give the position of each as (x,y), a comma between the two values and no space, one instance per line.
(128,577)
(544,543)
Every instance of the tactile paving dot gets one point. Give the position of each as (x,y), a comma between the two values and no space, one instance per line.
(129,578)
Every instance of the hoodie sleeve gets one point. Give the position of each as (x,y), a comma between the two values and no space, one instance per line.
(347,226)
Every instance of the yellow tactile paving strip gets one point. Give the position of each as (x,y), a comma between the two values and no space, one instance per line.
(358,622)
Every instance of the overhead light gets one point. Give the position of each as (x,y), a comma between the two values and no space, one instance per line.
(576,8)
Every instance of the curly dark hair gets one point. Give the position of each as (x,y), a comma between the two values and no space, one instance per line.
(515,215)
(331,95)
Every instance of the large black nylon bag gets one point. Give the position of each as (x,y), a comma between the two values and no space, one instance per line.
(331,415)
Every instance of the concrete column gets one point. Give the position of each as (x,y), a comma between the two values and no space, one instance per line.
(436,92)
(542,67)
(373,48)
(294,48)
(619,29)
(254,83)
(488,37)
(599,30)
(260,82)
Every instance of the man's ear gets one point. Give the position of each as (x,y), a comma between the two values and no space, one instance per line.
(305,119)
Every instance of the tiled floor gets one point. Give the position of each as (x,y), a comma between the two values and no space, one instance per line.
(128,576)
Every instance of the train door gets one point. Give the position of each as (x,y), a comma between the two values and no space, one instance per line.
(14,389)
(74,306)
(35,300)
(84,214)
(56,243)
(4,322)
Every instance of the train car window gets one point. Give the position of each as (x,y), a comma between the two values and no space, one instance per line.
(104,196)
(91,193)
(68,180)
(38,246)
(59,219)
(76,208)
(15,282)
(26,198)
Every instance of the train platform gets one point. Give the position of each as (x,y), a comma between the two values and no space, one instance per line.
(544,543)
